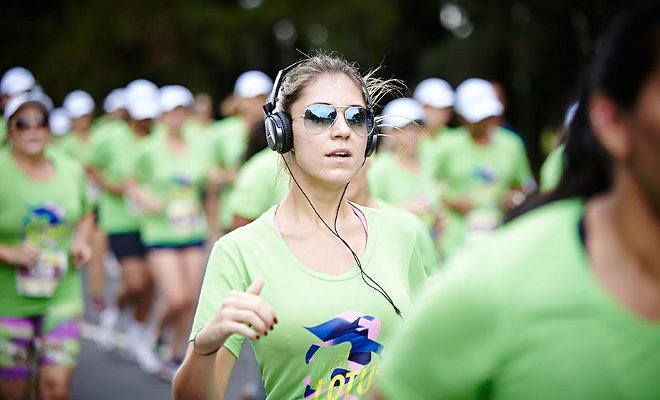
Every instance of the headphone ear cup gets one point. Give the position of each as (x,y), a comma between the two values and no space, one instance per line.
(372,142)
(287,132)
(279,134)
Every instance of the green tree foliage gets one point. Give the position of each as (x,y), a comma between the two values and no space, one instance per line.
(536,49)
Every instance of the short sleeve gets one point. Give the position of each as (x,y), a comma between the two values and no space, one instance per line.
(224,272)
(450,346)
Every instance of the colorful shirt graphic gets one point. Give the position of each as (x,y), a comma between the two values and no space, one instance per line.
(360,332)
(43,227)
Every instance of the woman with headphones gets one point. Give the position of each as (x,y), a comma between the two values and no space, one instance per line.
(319,285)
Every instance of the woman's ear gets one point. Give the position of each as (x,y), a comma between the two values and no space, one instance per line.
(610,126)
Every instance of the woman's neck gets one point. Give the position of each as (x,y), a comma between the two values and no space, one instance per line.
(636,222)
(325,201)
(82,135)
(35,166)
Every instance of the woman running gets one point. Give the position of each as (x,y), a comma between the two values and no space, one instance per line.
(317,284)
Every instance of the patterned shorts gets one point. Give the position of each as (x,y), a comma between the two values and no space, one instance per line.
(24,339)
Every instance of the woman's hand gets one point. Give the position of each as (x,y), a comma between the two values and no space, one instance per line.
(81,253)
(24,255)
(244,313)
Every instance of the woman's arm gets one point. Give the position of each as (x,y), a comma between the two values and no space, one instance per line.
(208,364)
(203,377)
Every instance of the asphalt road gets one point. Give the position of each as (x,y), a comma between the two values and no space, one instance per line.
(105,375)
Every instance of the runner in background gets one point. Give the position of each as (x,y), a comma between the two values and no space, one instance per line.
(78,145)
(169,178)
(114,117)
(563,301)
(44,225)
(230,141)
(260,184)
(397,176)
(113,162)
(484,169)
(437,97)
(359,193)
(14,81)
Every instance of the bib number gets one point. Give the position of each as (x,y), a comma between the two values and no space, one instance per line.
(480,223)
(42,279)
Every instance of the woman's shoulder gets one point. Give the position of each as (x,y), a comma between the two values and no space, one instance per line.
(537,239)
(251,233)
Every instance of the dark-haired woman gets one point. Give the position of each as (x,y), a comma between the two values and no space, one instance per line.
(564,302)
(316,283)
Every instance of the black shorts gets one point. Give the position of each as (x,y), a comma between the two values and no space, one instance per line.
(125,245)
(199,244)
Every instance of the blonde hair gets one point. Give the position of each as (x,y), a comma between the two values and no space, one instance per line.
(322,63)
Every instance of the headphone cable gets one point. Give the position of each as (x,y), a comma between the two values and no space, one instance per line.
(363,274)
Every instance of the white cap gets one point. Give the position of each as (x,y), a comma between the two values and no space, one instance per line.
(33,96)
(402,111)
(142,100)
(434,92)
(253,83)
(173,96)
(114,101)
(477,100)
(78,103)
(59,121)
(141,88)
(15,81)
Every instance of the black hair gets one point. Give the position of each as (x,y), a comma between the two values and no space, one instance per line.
(625,57)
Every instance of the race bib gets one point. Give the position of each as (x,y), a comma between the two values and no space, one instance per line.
(41,279)
(480,223)
(185,216)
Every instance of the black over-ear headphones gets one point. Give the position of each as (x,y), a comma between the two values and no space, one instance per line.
(279,132)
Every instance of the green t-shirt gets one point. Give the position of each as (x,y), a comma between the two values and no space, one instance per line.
(429,145)
(115,157)
(104,126)
(390,181)
(72,146)
(523,317)
(483,174)
(259,185)
(427,248)
(552,169)
(177,181)
(332,330)
(44,214)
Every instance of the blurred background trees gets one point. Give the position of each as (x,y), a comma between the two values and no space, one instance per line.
(535,49)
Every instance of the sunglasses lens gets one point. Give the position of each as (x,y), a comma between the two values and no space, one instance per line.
(23,124)
(319,117)
(359,119)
